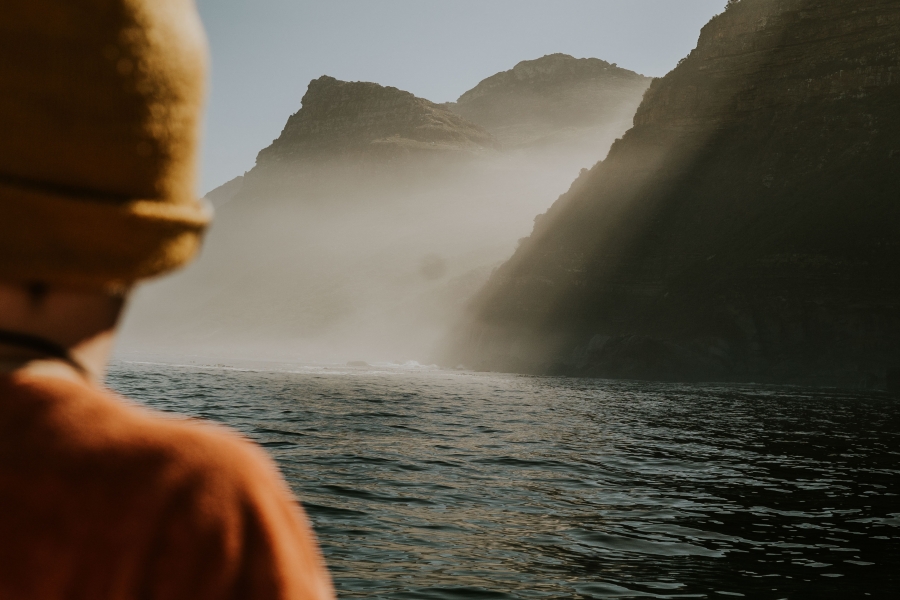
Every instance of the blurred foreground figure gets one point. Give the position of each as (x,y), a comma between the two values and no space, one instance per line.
(99,110)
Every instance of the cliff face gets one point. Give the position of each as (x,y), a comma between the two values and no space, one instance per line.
(342,119)
(746,227)
(552,97)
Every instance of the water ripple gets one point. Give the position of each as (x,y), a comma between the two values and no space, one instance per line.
(430,484)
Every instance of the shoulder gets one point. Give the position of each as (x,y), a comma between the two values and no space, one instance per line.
(89,422)
(230,517)
(85,438)
(207,504)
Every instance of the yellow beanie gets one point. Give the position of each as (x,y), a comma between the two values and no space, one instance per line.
(100,106)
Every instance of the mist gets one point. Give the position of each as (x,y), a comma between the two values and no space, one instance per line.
(355,262)
(337,258)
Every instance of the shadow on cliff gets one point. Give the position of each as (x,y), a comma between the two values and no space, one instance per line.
(741,229)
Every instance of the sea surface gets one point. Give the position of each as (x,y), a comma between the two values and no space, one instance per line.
(424,483)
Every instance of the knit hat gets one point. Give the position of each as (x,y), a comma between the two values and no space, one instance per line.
(100,106)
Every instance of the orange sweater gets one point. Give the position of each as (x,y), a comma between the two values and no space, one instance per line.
(100,499)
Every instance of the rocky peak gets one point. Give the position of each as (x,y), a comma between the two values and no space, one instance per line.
(547,74)
(539,98)
(360,119)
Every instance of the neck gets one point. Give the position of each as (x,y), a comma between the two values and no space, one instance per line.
(87,360)
(67,332)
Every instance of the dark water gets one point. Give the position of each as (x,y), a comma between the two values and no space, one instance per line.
(431,484)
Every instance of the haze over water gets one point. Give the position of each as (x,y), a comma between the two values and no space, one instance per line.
(337,269)
(424,483)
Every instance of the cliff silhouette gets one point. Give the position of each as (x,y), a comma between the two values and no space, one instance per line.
(745,228)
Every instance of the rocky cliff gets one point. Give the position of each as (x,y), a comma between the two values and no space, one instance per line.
(340,119)
(746,227)
(551,99)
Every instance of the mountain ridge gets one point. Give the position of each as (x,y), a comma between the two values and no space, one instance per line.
(356,122)
(340,119)
(541,98)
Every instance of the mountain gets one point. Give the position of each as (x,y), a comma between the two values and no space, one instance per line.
(745,228)
(346,132)
(552,99)
(575,105)
(341,119)
(372,218)
(361,232)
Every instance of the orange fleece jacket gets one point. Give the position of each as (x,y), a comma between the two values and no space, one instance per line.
(101,499)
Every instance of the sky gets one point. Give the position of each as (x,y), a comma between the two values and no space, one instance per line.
(265,52)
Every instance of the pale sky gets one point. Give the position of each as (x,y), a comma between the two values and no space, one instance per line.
(265,52)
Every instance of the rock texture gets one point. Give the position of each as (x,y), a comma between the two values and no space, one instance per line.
(552,98)
(746,228)
(342,119)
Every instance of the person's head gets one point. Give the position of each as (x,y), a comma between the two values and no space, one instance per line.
(100,104)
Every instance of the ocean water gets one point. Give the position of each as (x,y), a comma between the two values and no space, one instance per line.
(424,483)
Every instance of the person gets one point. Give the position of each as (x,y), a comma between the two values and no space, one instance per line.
(100,102)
